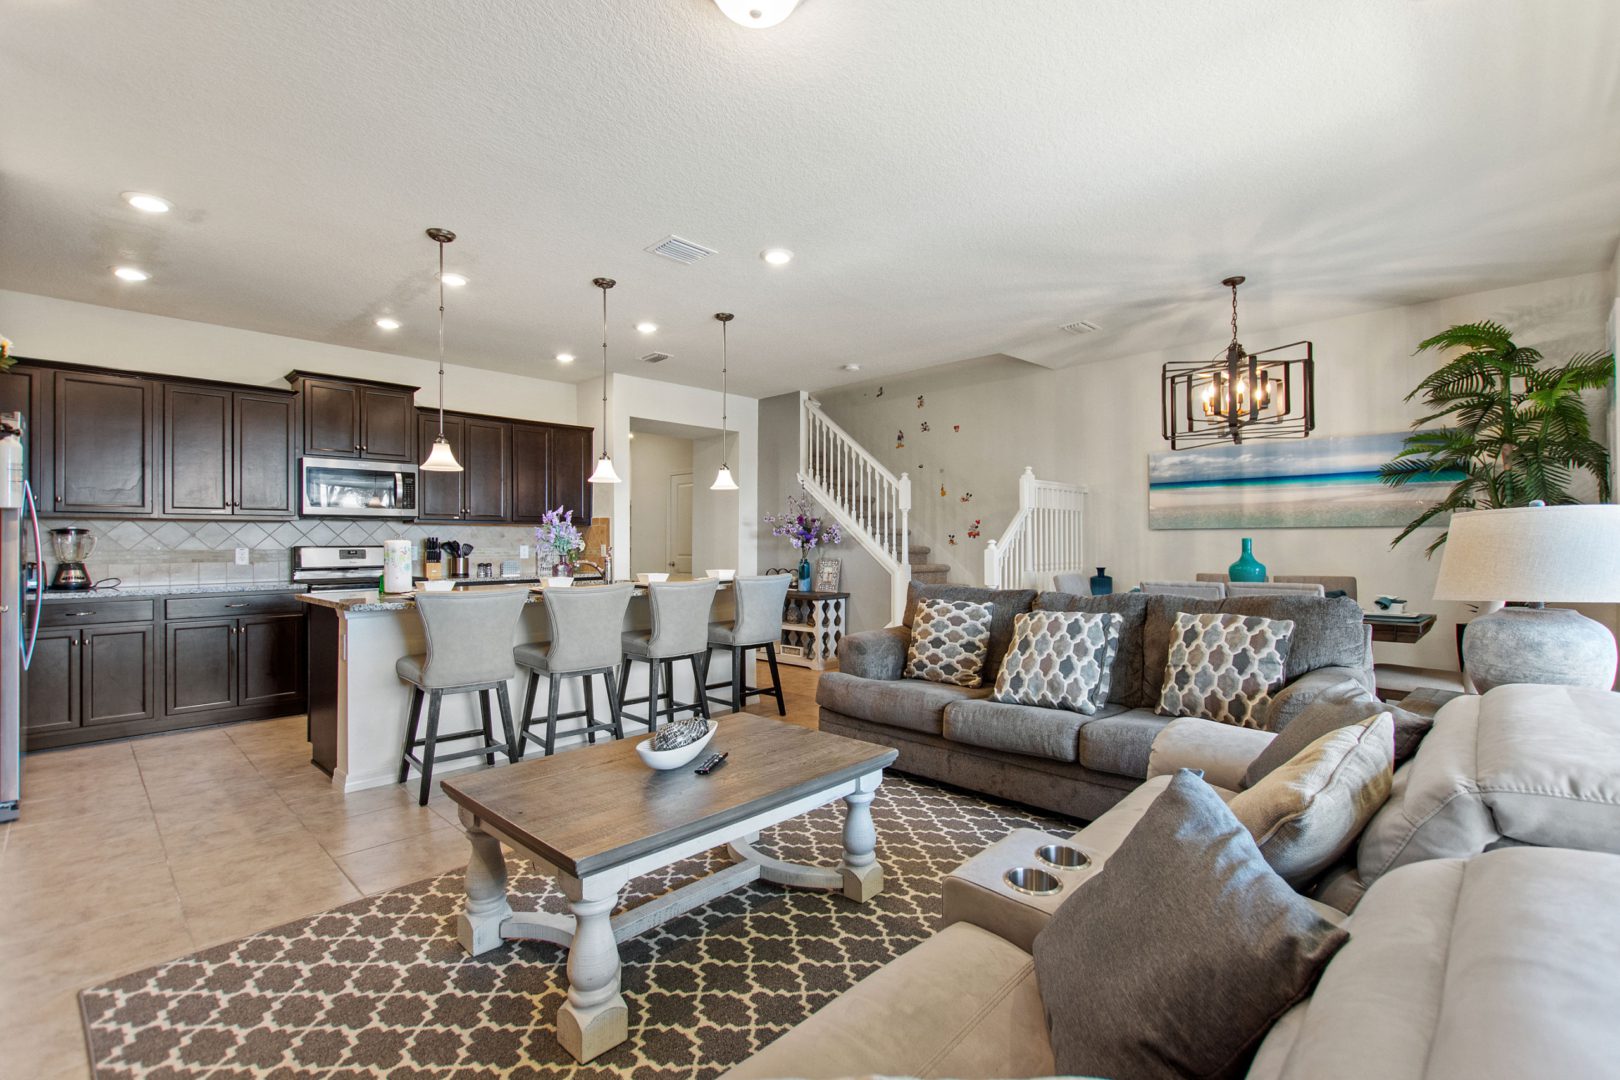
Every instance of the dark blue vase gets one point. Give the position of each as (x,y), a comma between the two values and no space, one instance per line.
(1247,568)
(804,575)
(1101,583)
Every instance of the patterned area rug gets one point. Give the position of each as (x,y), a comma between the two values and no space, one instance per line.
(380,987)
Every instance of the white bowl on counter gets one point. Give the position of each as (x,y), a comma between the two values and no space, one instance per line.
(647,579)
(721,575)
(559,582)
(664,760)
(438,585)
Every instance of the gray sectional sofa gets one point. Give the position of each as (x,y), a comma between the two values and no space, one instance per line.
(1054,759)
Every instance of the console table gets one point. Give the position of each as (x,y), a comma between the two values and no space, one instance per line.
(812,625)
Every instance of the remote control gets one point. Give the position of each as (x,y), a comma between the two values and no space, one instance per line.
(712,762)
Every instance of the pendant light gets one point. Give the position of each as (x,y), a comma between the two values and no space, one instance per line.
(604,473)
(723,480)
(441,458)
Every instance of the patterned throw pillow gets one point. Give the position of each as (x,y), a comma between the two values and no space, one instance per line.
(1224,667)
(949,640)
(1060,660)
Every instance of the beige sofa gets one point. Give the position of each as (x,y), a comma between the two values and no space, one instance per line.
(1462,962)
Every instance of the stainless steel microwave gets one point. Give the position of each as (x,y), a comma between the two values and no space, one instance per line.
(340,487)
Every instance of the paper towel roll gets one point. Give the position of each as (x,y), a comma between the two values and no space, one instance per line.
(396,566)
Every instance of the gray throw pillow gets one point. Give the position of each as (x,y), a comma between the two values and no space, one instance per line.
(1341,705)
(1224,667)
(1059,660)
(948,642)
(1179,956)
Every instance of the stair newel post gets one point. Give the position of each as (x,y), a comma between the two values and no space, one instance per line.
(992,566)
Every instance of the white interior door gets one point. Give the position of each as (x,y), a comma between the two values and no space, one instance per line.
(680,523)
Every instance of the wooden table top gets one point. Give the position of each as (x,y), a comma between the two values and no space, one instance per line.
(1401,628)
(595,807)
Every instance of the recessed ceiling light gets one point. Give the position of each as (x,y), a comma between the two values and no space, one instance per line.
(130,273)
(852,367)
(148,204)
(757,14)
(385,323)
(565,358)
(455,281)
(777,256)
(647,327)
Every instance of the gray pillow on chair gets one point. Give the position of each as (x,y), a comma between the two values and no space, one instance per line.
(1341,705)
(1179,956)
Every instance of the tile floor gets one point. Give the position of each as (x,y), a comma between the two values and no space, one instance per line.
(135,852)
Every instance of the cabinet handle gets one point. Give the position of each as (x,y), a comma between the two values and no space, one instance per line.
(73,643)
(236,605)
(76,614)
(59,498)
(357,446)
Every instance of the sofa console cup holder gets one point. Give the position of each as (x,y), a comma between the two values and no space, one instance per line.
(1062,857)
(1032,881)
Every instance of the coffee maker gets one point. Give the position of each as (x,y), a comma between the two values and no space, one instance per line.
(73,546)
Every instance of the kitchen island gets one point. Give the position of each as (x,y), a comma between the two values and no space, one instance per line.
(357,703)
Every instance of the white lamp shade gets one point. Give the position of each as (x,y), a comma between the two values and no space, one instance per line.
(441,458)
(1531,554)
(604,473)
(758,14)
(723,480)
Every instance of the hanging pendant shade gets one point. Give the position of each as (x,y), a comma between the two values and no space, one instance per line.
(723,480)
(441,458)
(604,473)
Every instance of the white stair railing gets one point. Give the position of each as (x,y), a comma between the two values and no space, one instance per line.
(869,502)
(1046,536)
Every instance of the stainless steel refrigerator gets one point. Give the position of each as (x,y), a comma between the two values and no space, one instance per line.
(19,601)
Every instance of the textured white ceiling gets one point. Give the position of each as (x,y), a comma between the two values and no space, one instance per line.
(957,177)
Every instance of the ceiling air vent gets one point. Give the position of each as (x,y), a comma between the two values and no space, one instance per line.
(682,251)
(655,357)
(1079,327)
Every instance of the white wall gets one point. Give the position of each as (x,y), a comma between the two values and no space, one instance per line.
(1096,424)
(714,513)
(653,460)
(44,328)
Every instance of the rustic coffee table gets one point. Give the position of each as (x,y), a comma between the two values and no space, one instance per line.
(597,817)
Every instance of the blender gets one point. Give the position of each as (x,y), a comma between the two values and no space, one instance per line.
(73,546)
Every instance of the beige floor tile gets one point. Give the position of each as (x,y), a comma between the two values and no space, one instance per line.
(268,899)
(99,950)
(43,1037)
(85,806)
(222,817)
(58,898)
(341,833)
(33,846)
(379,869)
(208,871)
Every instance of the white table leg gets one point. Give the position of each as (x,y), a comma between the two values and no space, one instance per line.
(863,874)
(595,1017)
(478,927)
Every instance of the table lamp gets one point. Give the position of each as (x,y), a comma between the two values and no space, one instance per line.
(1535,555)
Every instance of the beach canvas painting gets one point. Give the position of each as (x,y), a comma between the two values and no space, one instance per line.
(1286,484)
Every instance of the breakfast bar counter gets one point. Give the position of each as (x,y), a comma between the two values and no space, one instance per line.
(357,703)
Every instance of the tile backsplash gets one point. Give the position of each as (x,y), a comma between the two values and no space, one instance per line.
(142,552)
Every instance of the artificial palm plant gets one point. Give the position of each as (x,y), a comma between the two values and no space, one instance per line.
(1516,432)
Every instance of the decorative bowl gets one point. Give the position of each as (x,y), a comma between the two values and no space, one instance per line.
(438,585)
(721,575)
(672,759)
(647,579)
(559,582)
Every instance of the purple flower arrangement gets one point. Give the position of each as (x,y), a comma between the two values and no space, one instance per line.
(558,532)
(800,526)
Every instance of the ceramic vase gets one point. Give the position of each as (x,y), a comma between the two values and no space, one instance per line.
(1247,568)
(804,574)
(1101,583)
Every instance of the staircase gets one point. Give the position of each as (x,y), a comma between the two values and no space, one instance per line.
(1044,539)
(925,572)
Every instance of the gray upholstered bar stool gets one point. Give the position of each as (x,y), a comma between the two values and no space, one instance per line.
(758,625)
(469,651)
(585,628)
(680,631)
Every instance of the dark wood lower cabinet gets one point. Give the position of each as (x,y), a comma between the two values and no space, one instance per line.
(114,679)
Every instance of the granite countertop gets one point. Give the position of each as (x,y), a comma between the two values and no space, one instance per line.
(369,601)
(135,592)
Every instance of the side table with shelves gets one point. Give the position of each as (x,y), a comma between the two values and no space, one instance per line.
(812,625)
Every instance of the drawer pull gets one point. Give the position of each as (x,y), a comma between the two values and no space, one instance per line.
(76,614)
(236,605)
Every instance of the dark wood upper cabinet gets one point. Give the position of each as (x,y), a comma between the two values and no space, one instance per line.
(569,470)
(197,450)
(103,444)
(265,477)
(440,496)
(27,390)
(489,455)
(354,418)
(531,471)
(387,424)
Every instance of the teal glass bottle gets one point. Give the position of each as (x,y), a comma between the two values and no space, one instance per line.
(1247,568)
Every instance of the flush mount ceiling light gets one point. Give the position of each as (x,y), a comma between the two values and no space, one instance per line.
(757,14)
(604,473)
(1239,395)
(130,273)
(723,480)
(777,256)
(647,327)
(455,281)
(441,458)
(385,323)
(565,358)
(148,204)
